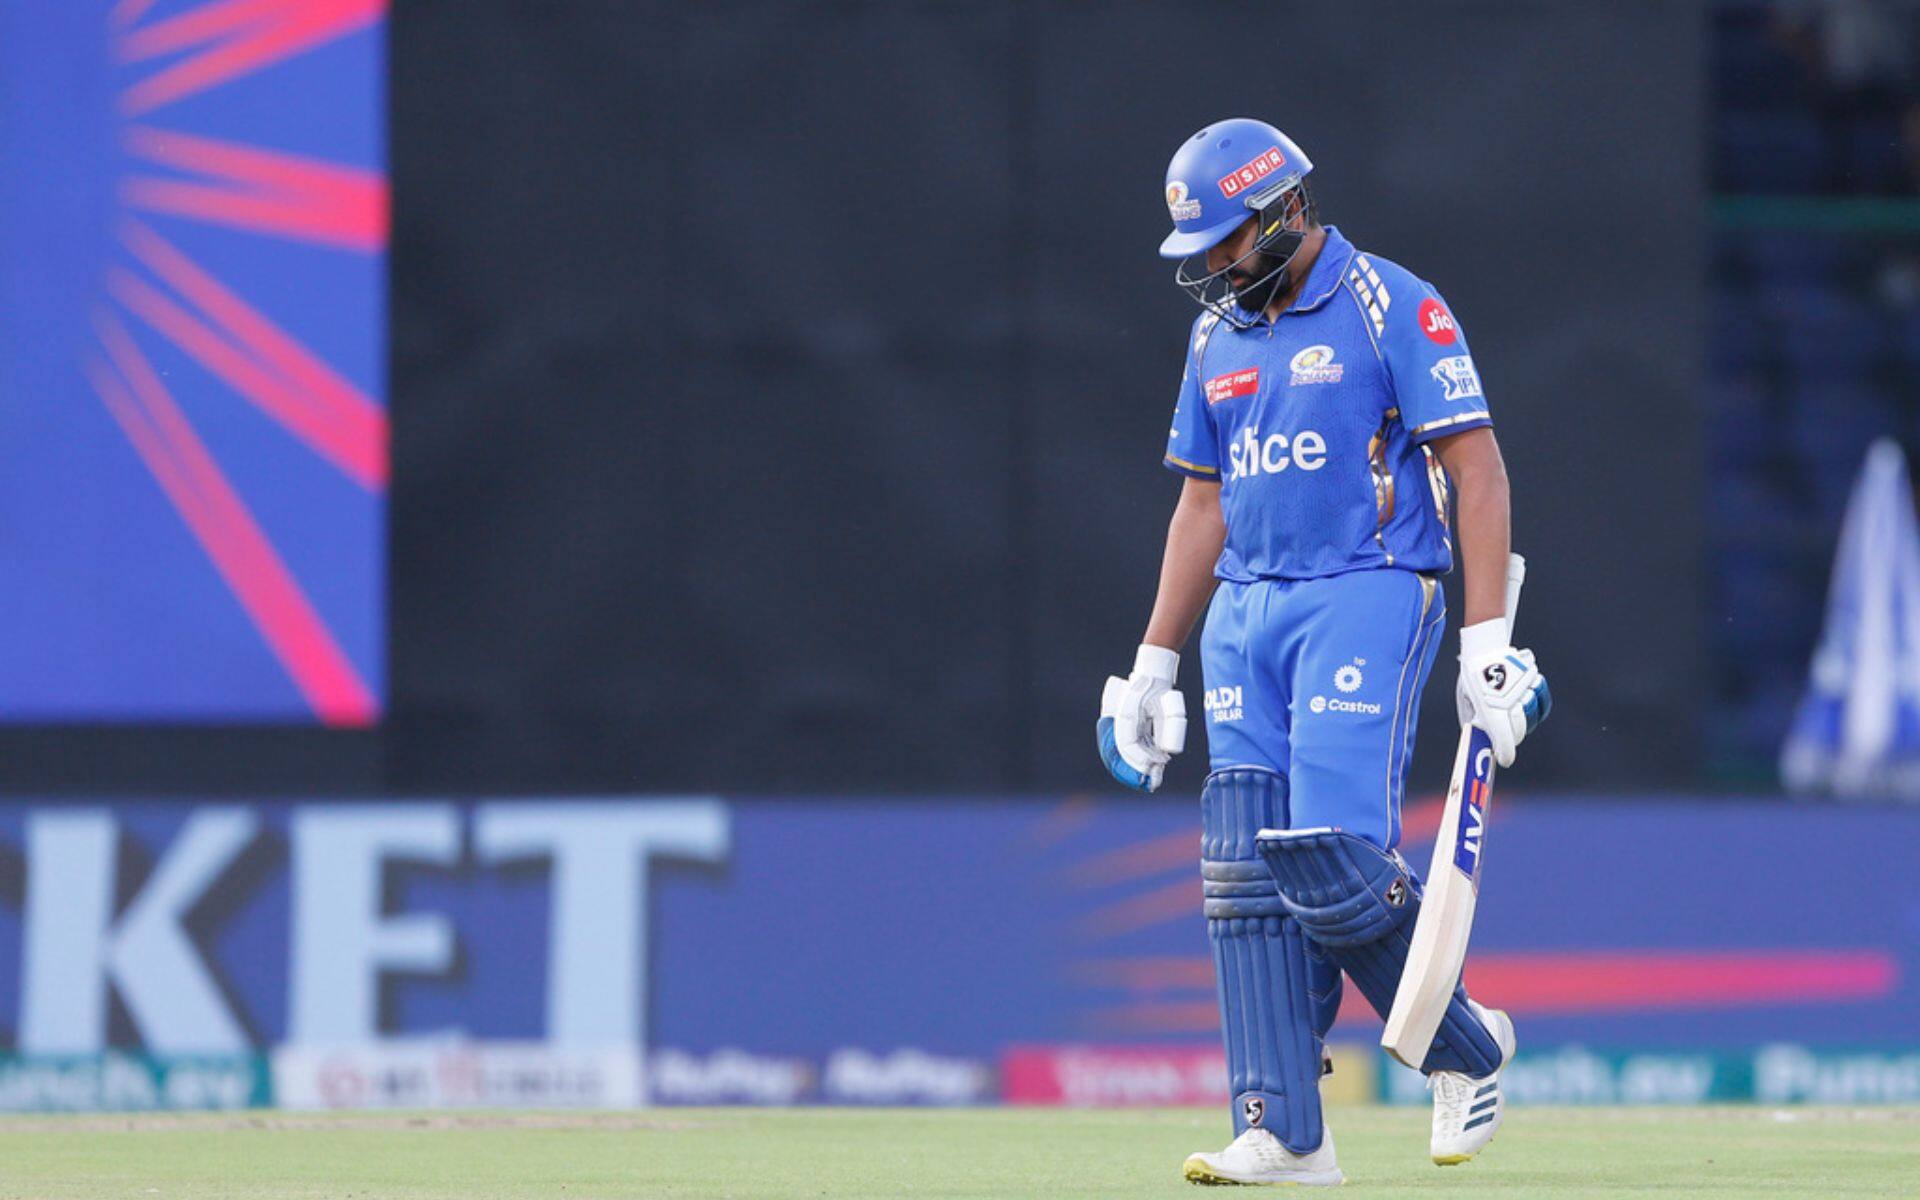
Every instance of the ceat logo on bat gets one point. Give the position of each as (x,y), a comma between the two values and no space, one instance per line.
(1178,205)
(1437,323)
(1473,807)
(1233,384)
(1253,172)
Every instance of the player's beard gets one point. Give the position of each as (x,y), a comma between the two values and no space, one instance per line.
(1265,280)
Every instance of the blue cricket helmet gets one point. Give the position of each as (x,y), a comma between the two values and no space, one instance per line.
(1221,176)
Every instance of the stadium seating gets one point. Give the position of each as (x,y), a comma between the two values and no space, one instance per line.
(1814,328)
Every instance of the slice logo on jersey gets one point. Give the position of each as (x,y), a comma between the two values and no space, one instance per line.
(1235,182)
(1224,704)
(1232,385)
(1252,454)
(1349,678)
(1437,323)
(1315,365)
(1457,375)
(1178,205)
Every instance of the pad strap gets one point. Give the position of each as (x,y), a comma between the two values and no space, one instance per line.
(1360,902)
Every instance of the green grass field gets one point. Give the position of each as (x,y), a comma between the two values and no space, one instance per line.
(789,1154)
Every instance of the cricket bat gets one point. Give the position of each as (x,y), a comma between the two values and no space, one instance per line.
(1440,933)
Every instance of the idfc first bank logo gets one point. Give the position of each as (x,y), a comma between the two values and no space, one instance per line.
(236,927)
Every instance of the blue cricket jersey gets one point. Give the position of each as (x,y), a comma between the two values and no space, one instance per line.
(1314,423)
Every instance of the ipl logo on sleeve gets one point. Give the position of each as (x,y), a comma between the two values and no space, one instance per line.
(1458,377)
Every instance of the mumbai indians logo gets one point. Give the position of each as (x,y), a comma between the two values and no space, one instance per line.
(1315,365)
(1473,808)
(1457,375)
(1181,208)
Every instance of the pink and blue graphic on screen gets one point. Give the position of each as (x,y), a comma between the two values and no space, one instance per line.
(193,235)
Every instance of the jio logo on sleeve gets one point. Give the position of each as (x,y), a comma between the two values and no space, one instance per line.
(1437,323)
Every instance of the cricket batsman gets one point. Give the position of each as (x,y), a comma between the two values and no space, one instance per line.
(1329,403)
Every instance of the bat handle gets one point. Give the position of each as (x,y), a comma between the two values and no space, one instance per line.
(1516,575)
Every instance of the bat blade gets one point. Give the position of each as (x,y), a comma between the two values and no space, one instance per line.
(1438,950)
(1440,934)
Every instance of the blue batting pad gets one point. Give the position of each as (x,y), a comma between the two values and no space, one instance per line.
(1359,902)
(1277,998)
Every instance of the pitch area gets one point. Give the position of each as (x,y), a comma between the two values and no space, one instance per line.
(744,1154)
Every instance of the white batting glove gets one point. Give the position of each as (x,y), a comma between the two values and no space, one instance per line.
(1500,688)
(1143,720)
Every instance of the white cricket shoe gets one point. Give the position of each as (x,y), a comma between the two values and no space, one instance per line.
(1467,1111)
(1257,1157)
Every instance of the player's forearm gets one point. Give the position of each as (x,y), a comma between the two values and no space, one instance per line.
(1485,539)
(1484,517)
(1194,538)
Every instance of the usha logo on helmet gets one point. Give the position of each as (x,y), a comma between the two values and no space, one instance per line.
(1252,172)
